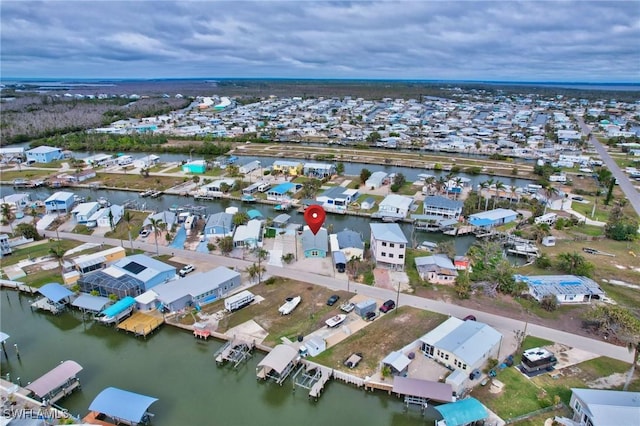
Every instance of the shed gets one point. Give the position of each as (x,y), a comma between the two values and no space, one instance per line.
(123,406)
(364,307)
(277,364)
(461,412)
(146,301)
(398,362)
(315,345)
(456,379)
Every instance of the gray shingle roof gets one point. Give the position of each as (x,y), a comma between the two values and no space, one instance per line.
(349,239)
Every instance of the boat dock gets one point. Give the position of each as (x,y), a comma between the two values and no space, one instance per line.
(57,383)
(313,377)
(235,351)
(462,230)
(141,324)
(45,304)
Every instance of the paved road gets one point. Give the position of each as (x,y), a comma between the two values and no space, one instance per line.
(507,326)
(623,180)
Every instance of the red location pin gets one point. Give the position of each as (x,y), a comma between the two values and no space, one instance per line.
(314,215)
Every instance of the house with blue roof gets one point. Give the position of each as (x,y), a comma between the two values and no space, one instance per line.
(60,201)
(283,191)
(315,245)
(565,288)
(83,211)
(388,245)
(350,243)
(219,225)
(492,218)
(437,205)
(195,167)
(44,154)
(337,198)
(461,345)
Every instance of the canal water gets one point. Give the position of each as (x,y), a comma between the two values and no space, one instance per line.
(181,372)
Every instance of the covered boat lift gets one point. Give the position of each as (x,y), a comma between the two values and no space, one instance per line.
(55,300)
(117,311)
(419,392)
(461,412)
(90,304)
(121,406)
(278,364)
(57,383)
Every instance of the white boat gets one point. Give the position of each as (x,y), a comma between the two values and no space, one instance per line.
(335,321)
(289,305)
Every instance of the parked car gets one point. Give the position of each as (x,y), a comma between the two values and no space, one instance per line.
(469,318)
(387,306)
(370,316)
(347,307)
(474,374)
(144,233)
(333,299)
(186,270)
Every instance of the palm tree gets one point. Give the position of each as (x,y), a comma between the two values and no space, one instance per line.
(441,183)
(483,185)
(489,183)
(499,186)
(458,182)
(58,253)
(7,215)
(633,345)
(549,191)
(156,224)
(430,181)
(128,218)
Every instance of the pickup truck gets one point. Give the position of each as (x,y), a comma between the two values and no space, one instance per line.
(347,307)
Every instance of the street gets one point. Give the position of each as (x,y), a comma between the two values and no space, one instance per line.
(623,180)
(507,326)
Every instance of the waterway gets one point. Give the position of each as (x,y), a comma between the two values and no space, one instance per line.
(180,371)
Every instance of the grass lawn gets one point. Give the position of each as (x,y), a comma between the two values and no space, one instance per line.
(176,169)
(40,249)
(531,342)
(40,278)
(82,230)
(11,175)
(540,418)
(135,181)
(121,232)
(399,328)
(410,266)
(534,307)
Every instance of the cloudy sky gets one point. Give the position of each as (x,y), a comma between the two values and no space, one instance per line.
(535,40)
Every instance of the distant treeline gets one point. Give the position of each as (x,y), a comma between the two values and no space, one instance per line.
(130,143)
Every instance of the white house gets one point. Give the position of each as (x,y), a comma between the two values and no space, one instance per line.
(248,235)
(146,162)
(436,269)
(461,345)
(565,288)
(375,180)
(18,201)
(103,220)
(249,167)
(83,211)
(599,407)
(437,205)
(395,206)
(388,245)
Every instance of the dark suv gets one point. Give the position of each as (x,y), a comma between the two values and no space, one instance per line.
(387,306)
(332,300)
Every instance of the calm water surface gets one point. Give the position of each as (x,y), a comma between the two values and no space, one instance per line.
(181,372)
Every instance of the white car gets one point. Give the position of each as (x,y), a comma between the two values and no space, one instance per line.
(186,270)
(144,233)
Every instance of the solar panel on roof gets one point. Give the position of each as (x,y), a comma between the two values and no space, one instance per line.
(134,267)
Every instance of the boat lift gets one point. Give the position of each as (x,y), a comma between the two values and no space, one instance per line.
(235,351)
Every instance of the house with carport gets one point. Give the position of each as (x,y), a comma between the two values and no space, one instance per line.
(337,198)
(565,289)
(376,180)
(394,206)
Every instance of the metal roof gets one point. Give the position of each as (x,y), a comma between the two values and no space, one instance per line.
(462,412)
(121,404)
(3,336)
(319,241)
(436,391)
(195,284)
(560,284)
(349,239)
(55,292)
(390,232)
(610,407)
(442,202)
(397,360)
(279,358)
(493,215)
(90,302)
(55,378)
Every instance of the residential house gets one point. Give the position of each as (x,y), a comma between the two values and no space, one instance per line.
(44,154)
(437,205)
(283,191)
(337,198)
(83,211)
(197,289)
(249,235)
(219,225)
(600,407)
(146,162)
(350,243)
(59,202)
(388,245)
(315,245)
(91,262)
(195,167)
(565,288)
(319,170)
(130,276)
(376,180)
(290,168)
(461,345)
(492,218)
(5,248)
(99,160)
(436,269)
(462,263)
(83,175)
(249,167)
(394,206)
(218,185)
(167,217)
(107,217)
(16,201)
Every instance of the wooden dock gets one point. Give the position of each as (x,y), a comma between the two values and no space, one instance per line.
(95,418)
(313,377)
(141,324)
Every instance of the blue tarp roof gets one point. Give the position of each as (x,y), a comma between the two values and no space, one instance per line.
(462,412)
(55,292)
(119,306)
(121,404)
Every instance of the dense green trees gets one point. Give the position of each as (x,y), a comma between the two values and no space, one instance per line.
(619,227)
